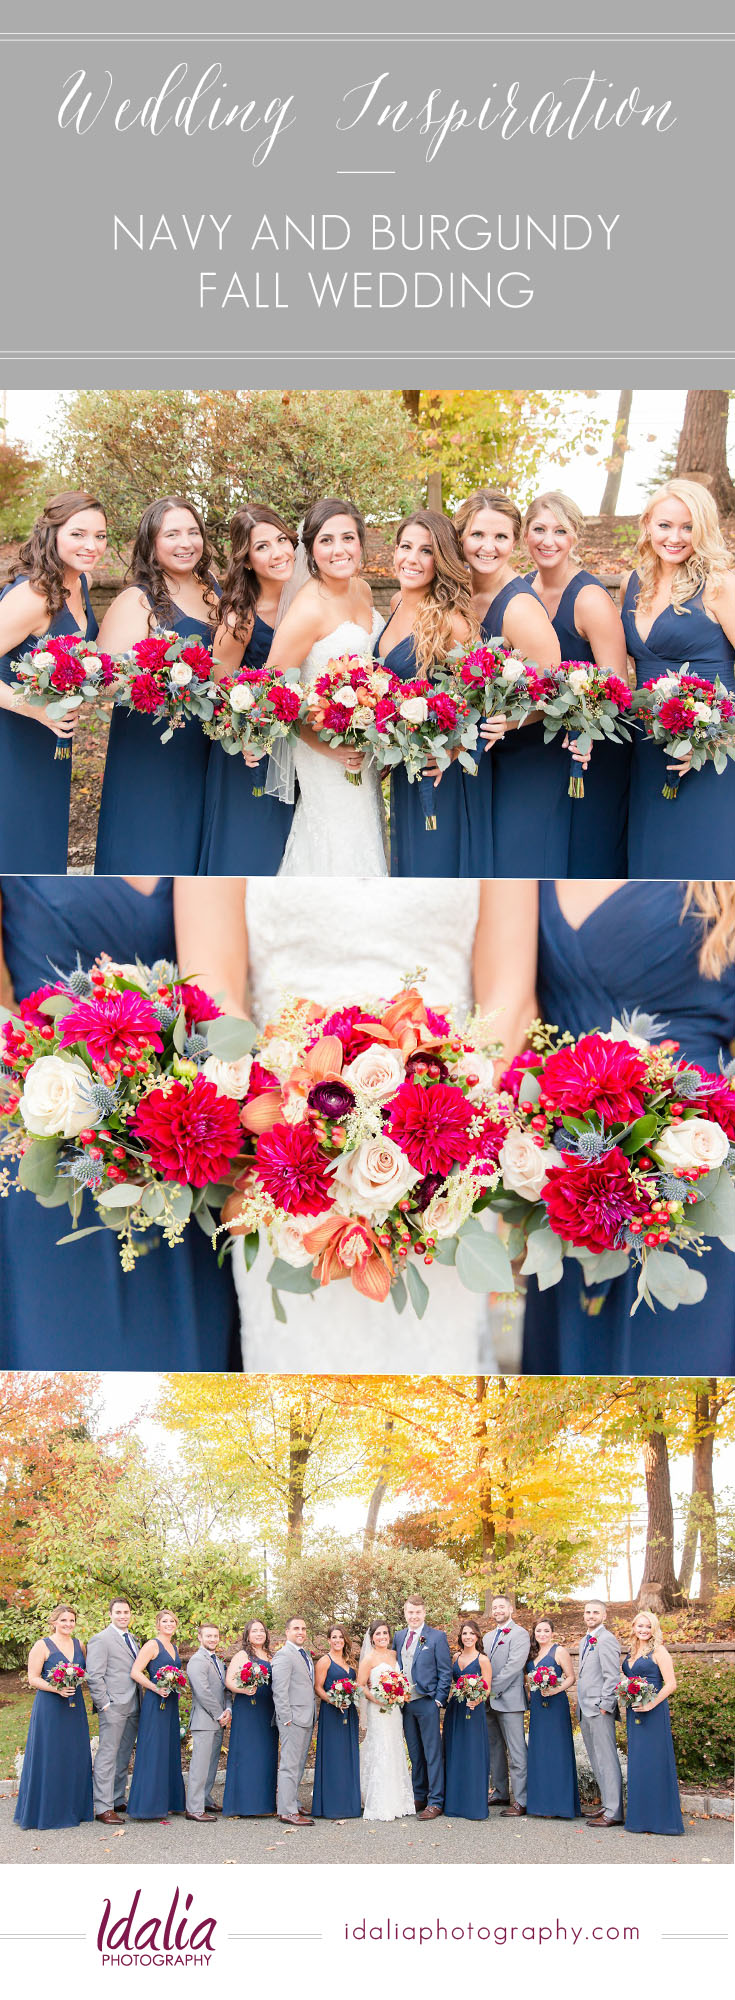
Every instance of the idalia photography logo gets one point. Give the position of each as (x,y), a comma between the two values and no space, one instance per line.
(136,1938)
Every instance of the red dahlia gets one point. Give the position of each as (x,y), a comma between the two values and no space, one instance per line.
(291,1167)
(444,710)
(589,1201)
(717,1100)
(30,1008)
(114,1029)
(198,658)
(285,703)
(431,1125)
(67,674)
(192,1134)
(608,1078)
(146,693)
(151,653)
(197,1005)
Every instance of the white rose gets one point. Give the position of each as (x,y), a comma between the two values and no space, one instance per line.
(474,1063)
(241,698)
(702,711)
(524,1166)
(415,709)
(280,1056)
(346,697)
(363,716)
(231,1078)
(180,674)
(373,1178)
(446,1213)
(42,660)
(681,749)
(692,1142)
(579,680)
(287,1239)
(668,684)
(52,1101)
(375,1073)
(512,671)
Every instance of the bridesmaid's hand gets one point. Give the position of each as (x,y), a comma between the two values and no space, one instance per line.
(65,1692)
(431,770)
(579,756)
(63,726)
(493,729)
(681,765)
(253,758)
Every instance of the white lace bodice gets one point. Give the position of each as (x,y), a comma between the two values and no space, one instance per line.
(384,1772)
(347,638)
(338,828)
(344,940)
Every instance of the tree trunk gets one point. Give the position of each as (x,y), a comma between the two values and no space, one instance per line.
(434,490)
(299,1451)
(702,449)
(379,1490)
(616,460)
(658,1584)
(484,1482)
(411,399)
(701,1524)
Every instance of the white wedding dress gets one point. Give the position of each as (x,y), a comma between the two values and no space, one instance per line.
(385,1778)
(338,942)
(338,828)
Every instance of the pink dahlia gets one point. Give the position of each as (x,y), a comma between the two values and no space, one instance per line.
(30,1008)
(589,1201)
(431,1123)
(151,653)
(285,703)
(291,1166)
(353,1029)
(616,690)
(336,717)
(191,1134)
(197,1005)
(444,710)
(146,693)
(674,715)
(260,1080)
(438,1023)
(607,1078)
(67,674)
(385,712)
(115,1029)
(198,658)
(716,1101)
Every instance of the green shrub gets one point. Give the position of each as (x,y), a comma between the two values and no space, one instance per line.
(343,1580)
(703,1721)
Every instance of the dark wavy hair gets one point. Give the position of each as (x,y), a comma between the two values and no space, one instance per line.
(473,1627)
(39,559)
(240,591)
(336,1627)
(542,1617)
(246,1643)
(317,517)
(449,594)
(376,1624)
(145,569)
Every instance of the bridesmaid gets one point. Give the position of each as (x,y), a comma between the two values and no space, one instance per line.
(466,1740)
(152,806)
(667,948)
(553,1791)
(679,611)
(430,614)
(653,1787)
(74,1306)
(46,598)
(158,1785)
(337,1767)
(588,627)
(252,1751)
(523,787)
(245,830)
(56,1780)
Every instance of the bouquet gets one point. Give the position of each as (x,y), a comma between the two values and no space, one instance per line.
(253,710)
(688,717)
(421,720)
(375,1140)
(253,1675)
(342,704)
(544,1678)
(391,1689)
(620,1154)
(59,675)
(589,704)
(68,1676)
(635,1693)
(125,1081)
(344,1695)
(168,678)
(469,1688)
(172,1681)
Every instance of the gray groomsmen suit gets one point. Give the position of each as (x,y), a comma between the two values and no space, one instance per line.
(597,1680)
(206,1676)
(292,1683)
(507,1650)
(115,1695)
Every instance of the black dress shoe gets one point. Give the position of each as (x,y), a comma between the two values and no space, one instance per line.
(495,1799)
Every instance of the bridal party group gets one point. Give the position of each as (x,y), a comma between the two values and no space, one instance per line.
(261,1707)
(298,602)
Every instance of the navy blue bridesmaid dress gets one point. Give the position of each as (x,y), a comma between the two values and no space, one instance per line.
(74,1307)
(337,1766)
(252,1757)
(632,951)
(35,785)
(158,1786)
(56,1780)
(152,807)
(466,1755)
(416,850)
(553,1791)
(531,807)
(245,831)
(598,844)
(693,835)
(653,1787)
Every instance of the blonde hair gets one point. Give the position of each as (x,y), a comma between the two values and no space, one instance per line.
(497,502)
(710,559)
(449,593)
(715,904)
(657,1637)
(165,1613)
(564,510)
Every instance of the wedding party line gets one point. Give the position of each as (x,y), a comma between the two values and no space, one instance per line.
(261,1707)
(499,702)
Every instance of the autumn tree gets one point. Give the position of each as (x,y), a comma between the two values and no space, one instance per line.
(21,478)
(496,437)
(618,449)
(702,447)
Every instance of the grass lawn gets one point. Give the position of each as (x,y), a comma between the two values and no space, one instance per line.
(15,1713)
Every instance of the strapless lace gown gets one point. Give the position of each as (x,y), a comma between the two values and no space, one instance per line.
(338,828)
(337,942)
(385,1776)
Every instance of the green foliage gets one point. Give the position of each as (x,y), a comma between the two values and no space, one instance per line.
(502,437)
(21,482)
(342,1580)
(703,1721)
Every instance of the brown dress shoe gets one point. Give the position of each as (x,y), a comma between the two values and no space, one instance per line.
(109,1818)
(513,1812)
(213,1809)
(604,1819)
(296,1819)
(494,1799)
(431,1812)
(201,1817)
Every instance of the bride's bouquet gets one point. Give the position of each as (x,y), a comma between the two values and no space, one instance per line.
(124,1081)
(254,710)
(469,1689)
(589,704)
(344,1695)
(421,721)
(688,717)
(60,675)
(375,1137)
(620,1155)
(343,702)
(168,678)
(391,1689)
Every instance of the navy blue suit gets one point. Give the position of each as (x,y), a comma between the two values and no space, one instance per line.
(431,1668)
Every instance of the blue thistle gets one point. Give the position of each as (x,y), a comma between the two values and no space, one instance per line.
(585,1145)
(87,1173)
(672,1189)
(687,1083)
(195,1047)
(625,1240)
(638,1022)
(77,982)
(102,1100)
(165,1014)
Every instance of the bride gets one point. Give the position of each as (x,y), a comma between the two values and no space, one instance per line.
(384,1773)
(249,943)
(338,828)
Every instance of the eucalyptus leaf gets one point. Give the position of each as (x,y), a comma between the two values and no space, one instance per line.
(399,1295)
(251,1246)
(180,1202)
(60,1196)
(278,1309)
(229,1039)
(599,1270)
(482,1262)
(76,1235)
(57,1003)
(543,1256)
(152,1201)
(715,1214)
(418,1290)
(529,1092)
(672,1281)
(37,1170)
(446,1250)
(124,1195)
(180,1032)
(292,1277)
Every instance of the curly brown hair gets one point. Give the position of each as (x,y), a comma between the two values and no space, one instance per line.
(247,1645)
(39,560)
(145,569)
(240,590)
(449,593)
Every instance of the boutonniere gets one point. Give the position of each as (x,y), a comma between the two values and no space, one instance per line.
(422,1641)
(592,1636)
(505,1630)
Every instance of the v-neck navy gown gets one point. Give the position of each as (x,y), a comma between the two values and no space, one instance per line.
(414,849)
(693,835)
(56,1780)
(553,1788)
(152,808)
(598,836)
(466,1747)
(531,807)
(244,834)
(337,1763)
(653,1804)
(35,785)
(157,1787)
(632,951)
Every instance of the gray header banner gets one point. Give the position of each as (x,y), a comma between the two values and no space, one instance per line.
(325,206)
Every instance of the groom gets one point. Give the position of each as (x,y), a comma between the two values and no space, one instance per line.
(424,1657)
